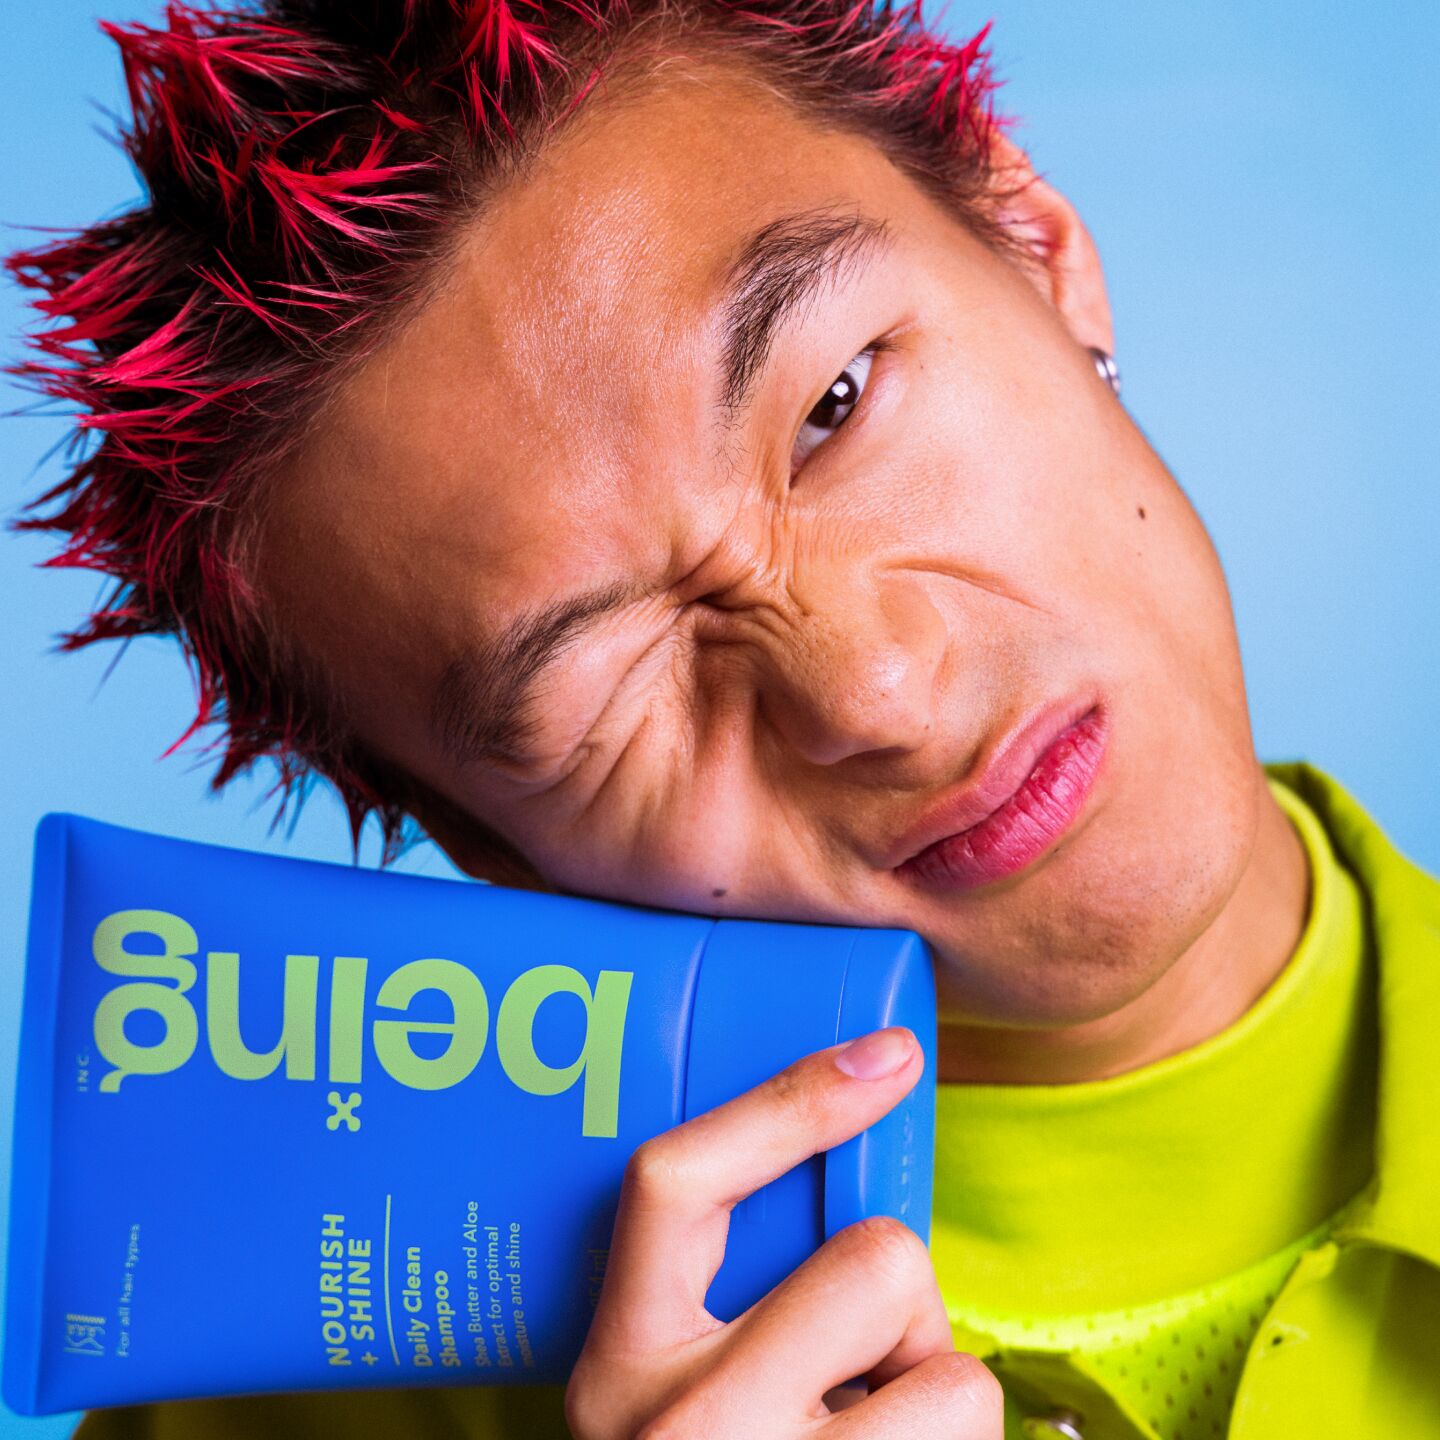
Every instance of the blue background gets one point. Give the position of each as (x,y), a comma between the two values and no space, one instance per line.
(1261,178)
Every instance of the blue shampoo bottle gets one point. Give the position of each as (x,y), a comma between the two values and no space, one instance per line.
(284,1125)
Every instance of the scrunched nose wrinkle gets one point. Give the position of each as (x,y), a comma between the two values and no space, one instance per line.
(846,681)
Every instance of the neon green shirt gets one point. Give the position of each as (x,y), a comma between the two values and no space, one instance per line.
(1106,1247)
(1349,1347)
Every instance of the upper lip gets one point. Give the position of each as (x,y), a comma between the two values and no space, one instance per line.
(992,780)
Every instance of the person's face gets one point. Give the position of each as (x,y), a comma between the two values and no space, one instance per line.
(838,614)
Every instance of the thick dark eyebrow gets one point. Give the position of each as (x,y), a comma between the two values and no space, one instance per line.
(477,710)
(777,270)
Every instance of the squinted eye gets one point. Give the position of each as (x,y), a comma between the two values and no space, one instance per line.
(834,407)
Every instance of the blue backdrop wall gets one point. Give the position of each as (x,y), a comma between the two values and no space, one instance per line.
(1261,178)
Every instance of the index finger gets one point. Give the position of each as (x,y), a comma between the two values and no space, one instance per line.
(680,1187)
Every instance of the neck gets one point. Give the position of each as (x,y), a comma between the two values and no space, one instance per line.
(1210,986)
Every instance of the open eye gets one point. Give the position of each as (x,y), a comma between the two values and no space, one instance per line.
(834,407)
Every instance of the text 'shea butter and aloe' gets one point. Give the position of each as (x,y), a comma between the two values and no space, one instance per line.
(371,1128)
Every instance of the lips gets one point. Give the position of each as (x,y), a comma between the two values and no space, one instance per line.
(1022,800)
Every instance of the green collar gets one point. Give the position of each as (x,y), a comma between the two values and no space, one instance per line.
(1401,1208)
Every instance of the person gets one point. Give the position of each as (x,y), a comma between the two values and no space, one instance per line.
(671,451)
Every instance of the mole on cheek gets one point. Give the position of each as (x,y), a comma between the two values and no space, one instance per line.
(718,893)
(1140,511)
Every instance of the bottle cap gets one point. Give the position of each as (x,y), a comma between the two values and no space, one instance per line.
(768,993)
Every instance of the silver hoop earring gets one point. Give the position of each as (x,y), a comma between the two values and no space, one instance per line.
(1106,368)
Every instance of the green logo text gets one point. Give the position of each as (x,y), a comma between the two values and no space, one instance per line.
(162,984)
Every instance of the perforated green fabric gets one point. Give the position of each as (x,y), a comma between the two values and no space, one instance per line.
(1174,1364)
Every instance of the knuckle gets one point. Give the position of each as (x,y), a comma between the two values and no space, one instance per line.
(601,1397)
(658,1172)
(793,1094)
(583,1401)
(672,1424)
(889,1245)
(961,1374)
(577,1411)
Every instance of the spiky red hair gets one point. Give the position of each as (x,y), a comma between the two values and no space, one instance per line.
(304,161)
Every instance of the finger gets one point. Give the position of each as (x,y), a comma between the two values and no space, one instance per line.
(679,1188)
(865,1303)
(870,1291)
(947,1397)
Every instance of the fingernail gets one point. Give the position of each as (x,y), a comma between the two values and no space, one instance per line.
(876,1055)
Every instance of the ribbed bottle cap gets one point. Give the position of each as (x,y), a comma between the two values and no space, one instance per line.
(767,994)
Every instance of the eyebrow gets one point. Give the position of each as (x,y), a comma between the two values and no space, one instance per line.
(780,267)
(477,709)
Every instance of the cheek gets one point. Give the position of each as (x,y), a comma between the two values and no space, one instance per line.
(1078,517)
(661,842)
(695,826)
(1171,603)
(1046,508)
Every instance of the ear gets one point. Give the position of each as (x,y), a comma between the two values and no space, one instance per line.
(1065,265)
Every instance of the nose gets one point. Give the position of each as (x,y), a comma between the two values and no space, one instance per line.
(857,672)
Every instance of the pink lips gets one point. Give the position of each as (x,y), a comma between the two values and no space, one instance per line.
(1003,823)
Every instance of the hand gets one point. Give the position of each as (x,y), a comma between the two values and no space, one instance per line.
(658,1366)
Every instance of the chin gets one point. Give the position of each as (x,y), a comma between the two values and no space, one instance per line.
(1090,930)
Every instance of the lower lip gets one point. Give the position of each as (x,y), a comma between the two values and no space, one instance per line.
(1027,824)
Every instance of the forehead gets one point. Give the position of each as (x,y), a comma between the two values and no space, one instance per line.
(562,382)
